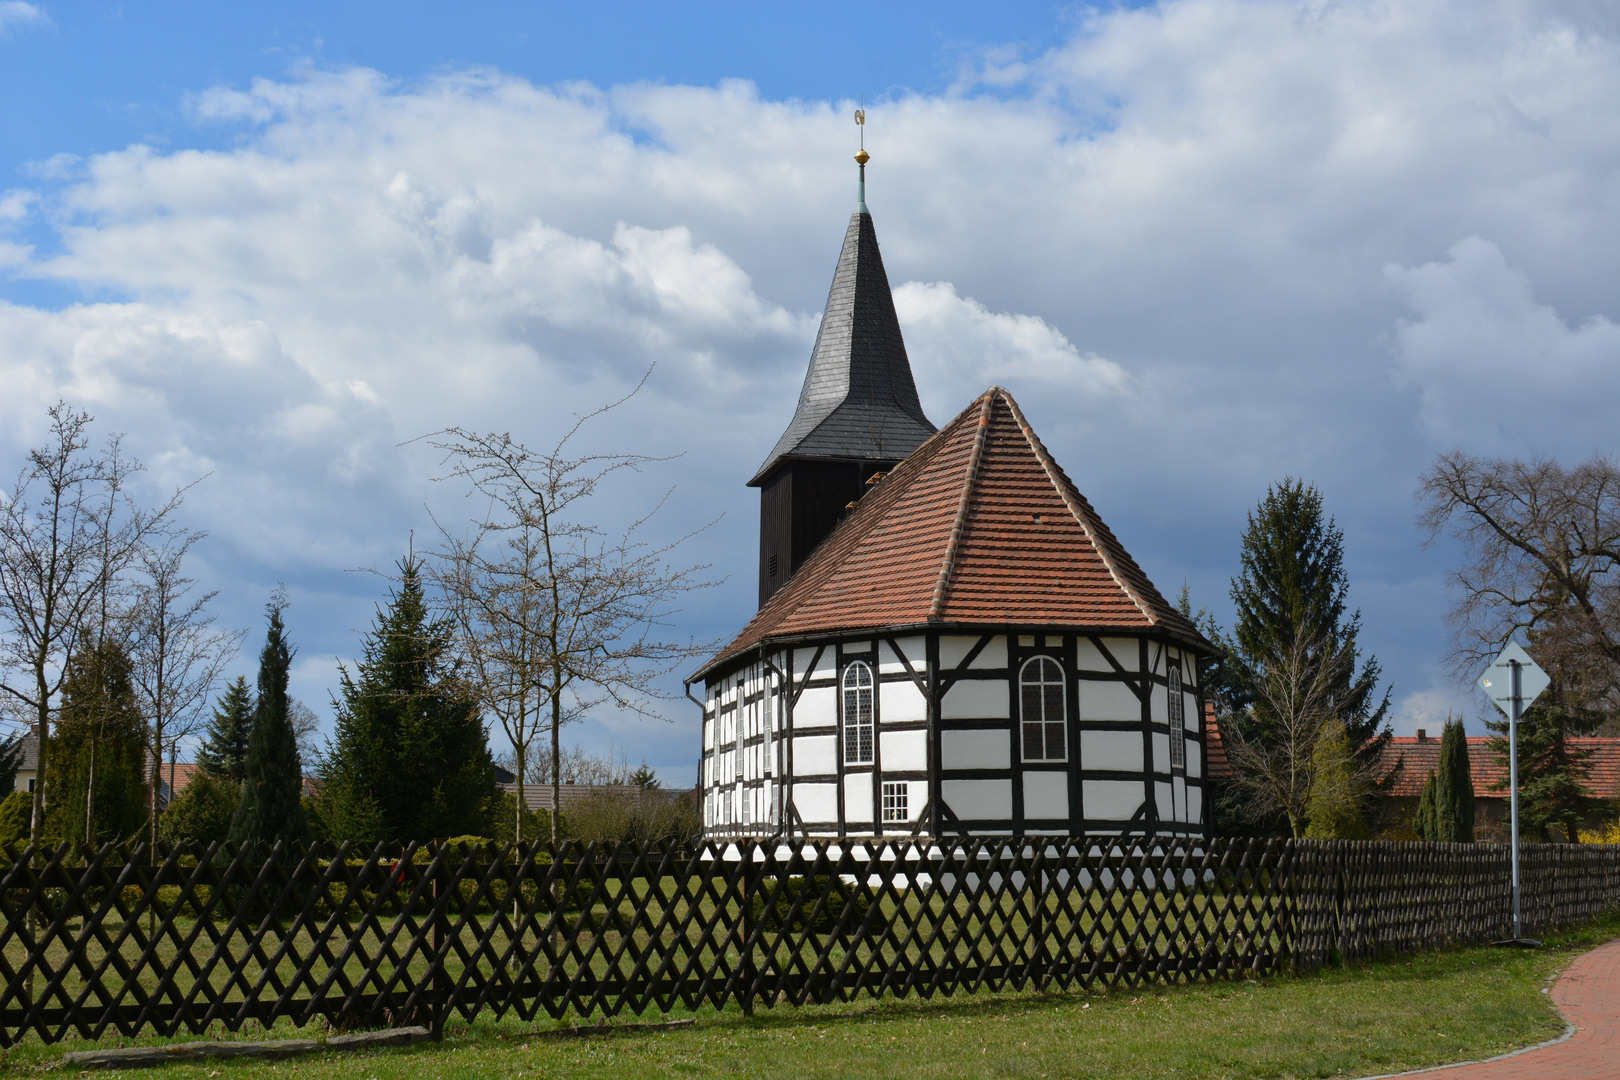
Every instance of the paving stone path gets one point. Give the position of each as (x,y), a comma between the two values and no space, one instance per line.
(1588,994)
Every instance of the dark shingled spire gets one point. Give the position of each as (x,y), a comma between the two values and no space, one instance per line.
(858,401)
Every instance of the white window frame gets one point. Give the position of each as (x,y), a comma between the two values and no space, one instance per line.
(1178,722)
(858,711)
(1046,723)
(896,801)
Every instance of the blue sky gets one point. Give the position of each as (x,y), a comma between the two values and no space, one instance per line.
(1207,244)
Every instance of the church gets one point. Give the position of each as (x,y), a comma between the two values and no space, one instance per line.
(949,640)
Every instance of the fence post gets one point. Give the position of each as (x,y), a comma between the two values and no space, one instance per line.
(436,974)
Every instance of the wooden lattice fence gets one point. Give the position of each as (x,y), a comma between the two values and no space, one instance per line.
(119,940)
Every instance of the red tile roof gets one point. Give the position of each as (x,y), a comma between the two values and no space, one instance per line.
(978,526)
(1421,758)
(1217,767)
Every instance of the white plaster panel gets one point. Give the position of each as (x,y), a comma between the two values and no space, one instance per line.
(825,668)
(1120,750)
(914,649)
(815,755)
(817,707)
(904,750)
(953,648)
(1046,794)
(977,749)
(1195,803)
(1161,796)
(862,646)
(1126,650)
(1195,759)
(994,654)
(901,702)
(1088,658)
(857,797)
(1161,752)
(816,802)
(1189,712)
(1111,800)
(1179,789)
(1108,701)
(975,699)
(978,798)
(1159,704)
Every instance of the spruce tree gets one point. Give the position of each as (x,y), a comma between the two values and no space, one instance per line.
(1554,796)
(1454,788)
(409,759)
(1424,824)
(1333,811)
(272,785)
(225,745)
(98,755)
(1293,589)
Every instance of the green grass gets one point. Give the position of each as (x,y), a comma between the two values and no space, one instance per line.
(1381,1017)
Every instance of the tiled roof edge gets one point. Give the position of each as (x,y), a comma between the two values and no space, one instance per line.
(964,501)
(1080,515)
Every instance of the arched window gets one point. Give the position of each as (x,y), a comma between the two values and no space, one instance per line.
(1040,685)
(1178,722)
(857,714)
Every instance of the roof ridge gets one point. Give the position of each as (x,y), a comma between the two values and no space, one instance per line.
(937,607)
(1086,525)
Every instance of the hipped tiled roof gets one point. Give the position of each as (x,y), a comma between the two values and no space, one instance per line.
(858,400)
(1421,758)
(978,526)
(1216,766)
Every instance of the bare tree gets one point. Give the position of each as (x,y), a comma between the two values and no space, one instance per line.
(1301,691)
(68,533)
(176,651)
(306,727)
(555,615)
(1543,557)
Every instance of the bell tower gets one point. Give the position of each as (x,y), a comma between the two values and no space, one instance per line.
(858,412)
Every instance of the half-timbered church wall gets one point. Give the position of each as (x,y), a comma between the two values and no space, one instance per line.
(965,649)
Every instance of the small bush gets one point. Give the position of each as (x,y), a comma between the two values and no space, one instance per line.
(201,813)
(838,897)
(15,813)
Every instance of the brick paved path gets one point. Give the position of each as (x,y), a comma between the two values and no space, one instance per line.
(1588,994)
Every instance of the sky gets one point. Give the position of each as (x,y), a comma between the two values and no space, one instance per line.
(1206,245)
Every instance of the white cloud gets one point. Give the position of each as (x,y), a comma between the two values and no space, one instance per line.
(1205,243)
(16,14)
(1494,366)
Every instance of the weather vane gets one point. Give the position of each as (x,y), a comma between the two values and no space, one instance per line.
(862,157)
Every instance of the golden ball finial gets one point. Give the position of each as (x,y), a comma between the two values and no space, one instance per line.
(863,157)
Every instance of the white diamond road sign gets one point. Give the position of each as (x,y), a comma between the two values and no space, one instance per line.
(1497,682)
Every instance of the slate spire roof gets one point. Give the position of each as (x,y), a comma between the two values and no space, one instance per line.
(858,400)
(979,526)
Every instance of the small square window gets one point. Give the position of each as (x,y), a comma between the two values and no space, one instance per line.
(896,801)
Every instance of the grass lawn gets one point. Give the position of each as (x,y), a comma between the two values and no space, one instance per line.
(1383,1017)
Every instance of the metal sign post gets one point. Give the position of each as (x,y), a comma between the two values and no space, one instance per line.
(1513,681)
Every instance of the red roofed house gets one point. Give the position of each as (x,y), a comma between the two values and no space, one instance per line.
(1419,755)
(950,640)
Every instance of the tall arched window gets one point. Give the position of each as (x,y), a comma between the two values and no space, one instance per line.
(857,714)
(1040,685)
(1178,722)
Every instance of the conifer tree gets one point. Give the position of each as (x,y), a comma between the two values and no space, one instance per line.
(409,759)
(1293,593)
(1424,823)
(224,749)
(1454,788)
(1333,811)
(1554,796)
(98,755)
(272,785)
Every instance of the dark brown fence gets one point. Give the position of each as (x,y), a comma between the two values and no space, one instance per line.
(115,940)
